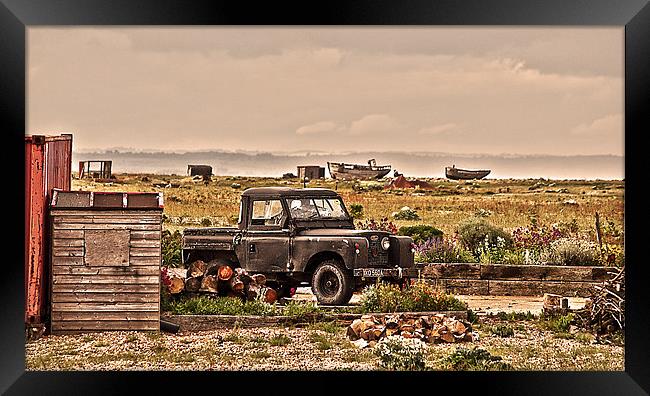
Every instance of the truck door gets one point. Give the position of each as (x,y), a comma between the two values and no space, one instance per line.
(266,242)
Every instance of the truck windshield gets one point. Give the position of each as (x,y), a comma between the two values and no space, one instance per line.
(313,208)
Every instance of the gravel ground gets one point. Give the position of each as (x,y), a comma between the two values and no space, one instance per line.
(315,347)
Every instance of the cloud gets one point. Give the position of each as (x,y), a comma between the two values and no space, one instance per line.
(374,123)
(611,124)
(438,129)
(319,127)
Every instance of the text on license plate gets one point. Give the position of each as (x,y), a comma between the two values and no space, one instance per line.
(372,272)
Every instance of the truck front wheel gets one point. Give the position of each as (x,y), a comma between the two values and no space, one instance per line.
(332,284)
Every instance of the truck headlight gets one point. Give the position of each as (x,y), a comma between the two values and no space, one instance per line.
(385,243)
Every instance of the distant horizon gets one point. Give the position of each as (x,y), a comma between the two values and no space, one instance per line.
(127,150)
(411,164)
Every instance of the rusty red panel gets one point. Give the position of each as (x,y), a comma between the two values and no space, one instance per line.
(48,161)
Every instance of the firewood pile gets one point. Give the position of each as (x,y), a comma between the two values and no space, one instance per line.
(219,279)
(604,311)
(438,328)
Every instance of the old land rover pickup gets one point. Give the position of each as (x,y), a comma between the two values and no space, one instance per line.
(303,237)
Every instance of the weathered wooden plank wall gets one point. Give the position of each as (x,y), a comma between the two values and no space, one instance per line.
(514,280)
(117,285)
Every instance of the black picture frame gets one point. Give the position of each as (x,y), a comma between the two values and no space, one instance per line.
(17,15)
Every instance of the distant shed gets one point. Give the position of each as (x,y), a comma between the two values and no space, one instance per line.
(311,172)
(106,256)
(199,170)
(100,169)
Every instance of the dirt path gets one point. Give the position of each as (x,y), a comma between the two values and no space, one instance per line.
(479,304)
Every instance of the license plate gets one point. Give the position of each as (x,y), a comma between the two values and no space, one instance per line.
(372,272)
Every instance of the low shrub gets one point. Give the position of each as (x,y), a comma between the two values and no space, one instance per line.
(279,340)
(297,309)
(442,250)
(556,323)
(419,297)
(171,248)
(514,257)
(208,305)
(397,353)
(420,233)
(474,233)
(364,186)
(475,359)
(492,253)
(204,305)
(356,211)
(502,330)
(572,251)
(536,236)
(406,213)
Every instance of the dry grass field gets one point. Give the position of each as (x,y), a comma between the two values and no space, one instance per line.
(505,203)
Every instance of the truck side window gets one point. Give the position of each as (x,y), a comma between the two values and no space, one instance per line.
(267,212)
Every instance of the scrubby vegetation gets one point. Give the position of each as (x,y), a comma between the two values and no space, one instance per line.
(477,235)
(474,359)
(356,211)
(419,297)
(171,246)
(420,233)
(442,250)
(204,305)
(397,353)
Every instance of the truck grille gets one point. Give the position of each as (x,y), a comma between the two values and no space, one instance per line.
(376,255)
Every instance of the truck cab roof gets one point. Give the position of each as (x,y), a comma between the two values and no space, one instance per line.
(289,192)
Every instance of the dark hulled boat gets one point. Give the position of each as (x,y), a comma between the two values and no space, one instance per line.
(451,172)
(343,171)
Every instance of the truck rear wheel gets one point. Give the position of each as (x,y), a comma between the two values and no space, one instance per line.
(332,284)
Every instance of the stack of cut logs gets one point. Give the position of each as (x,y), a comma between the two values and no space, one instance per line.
(220,279)
(437,328)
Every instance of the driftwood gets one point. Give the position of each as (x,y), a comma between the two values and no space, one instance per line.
(604,311)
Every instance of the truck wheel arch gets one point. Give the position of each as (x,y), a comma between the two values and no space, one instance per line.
(319,257)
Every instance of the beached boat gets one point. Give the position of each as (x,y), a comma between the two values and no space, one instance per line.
(464,174)
(343,171)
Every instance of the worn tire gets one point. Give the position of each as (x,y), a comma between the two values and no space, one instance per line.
(332,284)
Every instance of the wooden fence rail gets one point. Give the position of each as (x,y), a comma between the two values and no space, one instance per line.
(514,280)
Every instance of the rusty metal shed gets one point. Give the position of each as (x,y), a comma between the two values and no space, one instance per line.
(200,170)
(311,172)
(48,165)
(106,256)
(98,169)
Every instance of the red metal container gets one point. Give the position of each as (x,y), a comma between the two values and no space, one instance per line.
(48,165)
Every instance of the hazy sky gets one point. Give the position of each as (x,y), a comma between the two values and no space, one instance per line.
(441,89)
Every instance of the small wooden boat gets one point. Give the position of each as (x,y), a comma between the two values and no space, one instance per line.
(342,171)
(464,174)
